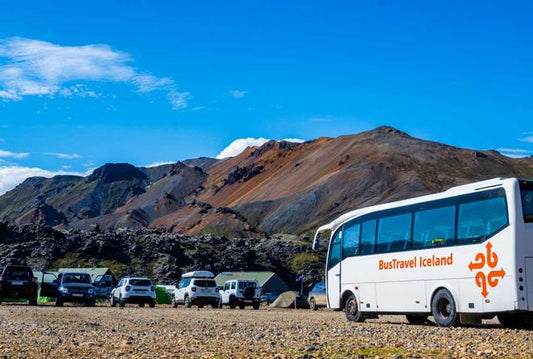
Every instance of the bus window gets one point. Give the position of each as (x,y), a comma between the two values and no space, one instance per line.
(526,190)
(368,237)
(481,219)
(335,250)
(350,242)
(434,227)
(394,233)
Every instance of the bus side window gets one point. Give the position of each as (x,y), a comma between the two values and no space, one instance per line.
(368,237)
(350,242)
(481,219)
(434,227)
(394,233)
(335,250)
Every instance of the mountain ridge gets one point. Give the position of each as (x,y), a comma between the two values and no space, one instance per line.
(279,187)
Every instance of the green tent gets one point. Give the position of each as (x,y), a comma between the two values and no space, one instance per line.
(162,296)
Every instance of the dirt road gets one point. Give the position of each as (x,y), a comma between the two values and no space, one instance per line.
(105,332)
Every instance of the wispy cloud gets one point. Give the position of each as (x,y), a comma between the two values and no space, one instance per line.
(160,163)
(11,176)
(64,156)
(13,154)
(40,68)
(515,152)
(237,93)
(528,139)
(239,145)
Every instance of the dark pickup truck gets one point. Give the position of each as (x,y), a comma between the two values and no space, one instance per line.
(17,282)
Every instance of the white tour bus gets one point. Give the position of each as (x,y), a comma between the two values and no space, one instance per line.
(461,256)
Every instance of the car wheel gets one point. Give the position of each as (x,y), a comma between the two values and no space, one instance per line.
(151,304)
(187,302)
(417,319)
(214,305)
(112,301)
(241,306)
(443,309)
(90,303)
(232,302)
(59,302)
(141,305)
(312,304)
(174,303)
(352,312)
(200,306)
(121,302)
(32,301)
(256,306)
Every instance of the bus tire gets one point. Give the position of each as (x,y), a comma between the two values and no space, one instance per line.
(351,310)
(417,319)
(444,309)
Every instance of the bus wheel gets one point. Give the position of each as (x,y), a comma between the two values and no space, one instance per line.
(351,309)
(416,319)
(443,309)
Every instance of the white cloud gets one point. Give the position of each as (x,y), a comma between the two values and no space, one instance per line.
(295,140)
(237,93)
(515,152)
(528,139)
(161,163)
(64,156)
(13,154)
(40,68)
(179,100)
(11,176)
(239,145)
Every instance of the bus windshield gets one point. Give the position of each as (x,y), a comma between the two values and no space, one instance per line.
(526,190)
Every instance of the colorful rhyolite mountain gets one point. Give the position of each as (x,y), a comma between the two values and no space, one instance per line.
(280,187)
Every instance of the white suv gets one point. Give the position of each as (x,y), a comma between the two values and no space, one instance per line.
(240,292)
(139,290)
(196,288)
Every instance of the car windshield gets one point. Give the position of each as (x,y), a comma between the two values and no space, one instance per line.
(17,273)
(243,285)
(141,282)
(77,278)
(204,283)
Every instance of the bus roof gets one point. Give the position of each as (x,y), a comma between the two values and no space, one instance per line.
(454,191)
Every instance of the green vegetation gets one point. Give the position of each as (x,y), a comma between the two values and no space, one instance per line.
(298,263)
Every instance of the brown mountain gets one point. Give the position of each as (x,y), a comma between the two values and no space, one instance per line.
(280,187)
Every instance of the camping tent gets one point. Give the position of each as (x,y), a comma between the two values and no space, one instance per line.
(286,300)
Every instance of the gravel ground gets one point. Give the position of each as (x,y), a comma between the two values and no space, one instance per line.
(164,332)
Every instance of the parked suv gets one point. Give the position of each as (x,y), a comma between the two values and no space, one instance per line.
(76,288)
(17,282)
(196,288)
(139,290)
(240,292)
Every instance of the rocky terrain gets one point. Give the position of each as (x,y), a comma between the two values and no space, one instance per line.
(280,187)
(161,256)
(164,332)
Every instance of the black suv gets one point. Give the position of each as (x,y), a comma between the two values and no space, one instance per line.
(17,282)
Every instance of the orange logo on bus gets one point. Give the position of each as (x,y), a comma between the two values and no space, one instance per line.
(493,277)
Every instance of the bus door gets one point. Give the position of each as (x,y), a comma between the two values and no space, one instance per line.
(529,282)
(334,270)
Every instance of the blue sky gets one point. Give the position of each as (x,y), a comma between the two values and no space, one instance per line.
(82,84)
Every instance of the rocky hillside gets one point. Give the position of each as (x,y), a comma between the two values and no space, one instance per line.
(280,187)
(162,256)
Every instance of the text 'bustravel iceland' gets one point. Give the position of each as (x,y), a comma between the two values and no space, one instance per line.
(416,262)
